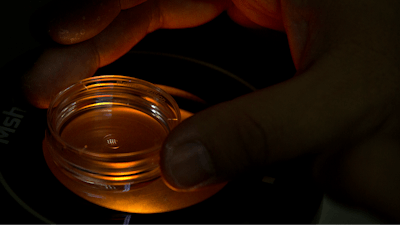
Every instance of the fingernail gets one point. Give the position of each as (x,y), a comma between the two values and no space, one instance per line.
(190,167)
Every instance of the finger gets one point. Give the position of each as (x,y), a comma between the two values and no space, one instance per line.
(322,110)
(70,22)
(77,21)
(61,66)
(257,14)
(237,16)
(126,4)
(222,143)
(55,69)
(133,24)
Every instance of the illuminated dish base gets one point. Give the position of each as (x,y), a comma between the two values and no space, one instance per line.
(155,197)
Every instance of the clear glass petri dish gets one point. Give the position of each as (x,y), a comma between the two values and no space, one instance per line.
(106,132)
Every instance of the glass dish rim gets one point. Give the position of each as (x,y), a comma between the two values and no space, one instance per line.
(92,79)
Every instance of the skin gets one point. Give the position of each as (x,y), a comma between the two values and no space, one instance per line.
(341,108)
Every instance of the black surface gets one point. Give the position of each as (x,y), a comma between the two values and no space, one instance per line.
(261,60)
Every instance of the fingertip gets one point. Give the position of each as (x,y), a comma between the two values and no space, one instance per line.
(72,22)
(55,69)
(187,166)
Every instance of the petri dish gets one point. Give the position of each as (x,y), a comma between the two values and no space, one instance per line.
(107,131)
(103,139)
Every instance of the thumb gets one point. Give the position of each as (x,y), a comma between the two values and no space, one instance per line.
(220,143)
(245,134)
(304,115)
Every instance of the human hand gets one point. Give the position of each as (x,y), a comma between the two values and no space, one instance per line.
(96,33)
(342,107)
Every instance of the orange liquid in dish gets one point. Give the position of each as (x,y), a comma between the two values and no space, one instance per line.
(114,130)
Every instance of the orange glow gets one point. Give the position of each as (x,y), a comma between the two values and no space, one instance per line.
(155,197)
(131,132)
